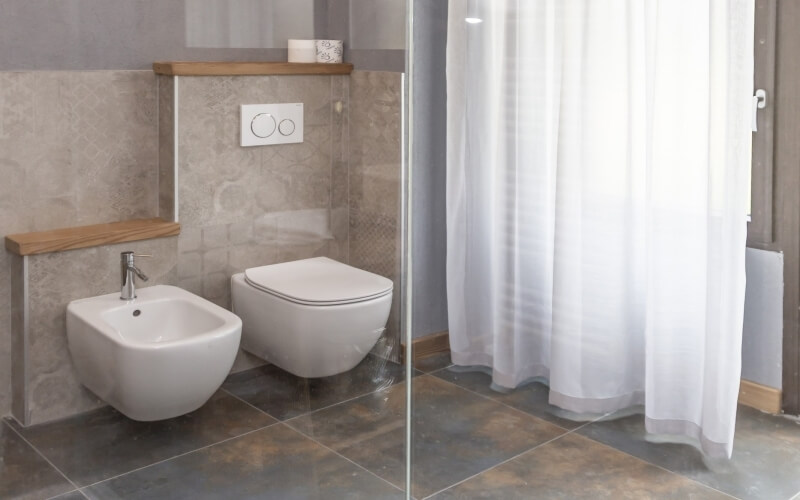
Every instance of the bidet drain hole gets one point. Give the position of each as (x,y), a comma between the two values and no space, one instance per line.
(137,313)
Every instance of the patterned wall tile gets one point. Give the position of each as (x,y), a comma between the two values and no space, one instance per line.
(337,194)
(56,279)
(75,148)
(259,205)
(374,184)
(113,136)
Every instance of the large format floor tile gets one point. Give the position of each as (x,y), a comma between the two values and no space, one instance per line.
(23,473)
(433,363)
(273,463)
(573,467)
(765,462)
(284,395)
(456,433)
(104,443)
(531,398)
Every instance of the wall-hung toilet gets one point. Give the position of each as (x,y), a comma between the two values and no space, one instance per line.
(314,317)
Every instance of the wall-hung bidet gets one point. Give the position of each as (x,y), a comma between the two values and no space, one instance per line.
(313,317)
(158,353)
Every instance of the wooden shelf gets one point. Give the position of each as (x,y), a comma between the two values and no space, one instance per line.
(71,238)
(249,68)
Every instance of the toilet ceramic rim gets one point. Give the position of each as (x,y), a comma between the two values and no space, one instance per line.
(316,302)
(318,281)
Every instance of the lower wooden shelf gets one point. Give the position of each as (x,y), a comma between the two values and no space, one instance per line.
(71,238)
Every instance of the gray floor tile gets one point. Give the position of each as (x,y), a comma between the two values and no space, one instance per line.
(72,495)
(104,443)
(274,463)
(531,398)
(23,473)
(573,467)
(284,395)
(433,363)
(765,462)
(456,433)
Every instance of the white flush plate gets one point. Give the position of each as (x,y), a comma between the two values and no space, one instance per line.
(269,124)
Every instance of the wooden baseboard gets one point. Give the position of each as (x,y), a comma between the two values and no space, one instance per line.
(760,397)
(428,345)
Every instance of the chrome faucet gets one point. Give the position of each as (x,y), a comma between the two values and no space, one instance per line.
(129,273)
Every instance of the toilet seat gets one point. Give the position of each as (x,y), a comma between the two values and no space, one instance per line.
(318,281)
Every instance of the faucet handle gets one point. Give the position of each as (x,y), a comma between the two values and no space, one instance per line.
(143,255)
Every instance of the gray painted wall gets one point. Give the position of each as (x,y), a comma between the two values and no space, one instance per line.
(429,250)
(762,343)
(125,34)
(121,34)
(372,40)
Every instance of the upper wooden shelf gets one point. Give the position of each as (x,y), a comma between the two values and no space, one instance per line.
(249,68)
(71,238)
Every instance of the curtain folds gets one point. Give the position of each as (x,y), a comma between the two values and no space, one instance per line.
(598,177)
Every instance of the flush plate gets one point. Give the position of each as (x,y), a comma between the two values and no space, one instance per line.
(270,124)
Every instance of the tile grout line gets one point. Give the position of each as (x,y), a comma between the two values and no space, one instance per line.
(660,467)
(310,412)
(507,460)
(490,398)
(82,494)
(340,403)
(177,456)
(34,448)
(234,396)
(344,457)
(588,437)
(347,400)
(436,370)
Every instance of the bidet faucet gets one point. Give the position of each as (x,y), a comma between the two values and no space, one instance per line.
(129,273)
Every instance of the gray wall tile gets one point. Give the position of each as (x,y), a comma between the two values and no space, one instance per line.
(248,207)
(54,280)
(239,207)
(374,184)
(75,148)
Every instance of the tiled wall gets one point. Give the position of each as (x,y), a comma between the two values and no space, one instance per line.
(48,387)
(75,148)
(245,207)
(375,175)
(336,194)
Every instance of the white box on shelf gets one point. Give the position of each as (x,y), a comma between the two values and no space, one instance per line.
(270,124)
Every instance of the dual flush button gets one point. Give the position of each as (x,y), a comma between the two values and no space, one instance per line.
(264,125)
(268,124)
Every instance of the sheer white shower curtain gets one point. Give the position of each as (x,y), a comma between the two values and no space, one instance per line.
(598,166)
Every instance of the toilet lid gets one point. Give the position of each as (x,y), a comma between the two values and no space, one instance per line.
(318,281)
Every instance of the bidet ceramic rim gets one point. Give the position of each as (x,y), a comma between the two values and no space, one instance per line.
(230,322)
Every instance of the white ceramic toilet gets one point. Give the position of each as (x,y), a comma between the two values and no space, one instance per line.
(314,317)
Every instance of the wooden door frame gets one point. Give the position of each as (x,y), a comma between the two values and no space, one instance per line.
(776,169)
(786,222)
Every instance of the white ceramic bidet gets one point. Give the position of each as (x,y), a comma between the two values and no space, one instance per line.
(155,357)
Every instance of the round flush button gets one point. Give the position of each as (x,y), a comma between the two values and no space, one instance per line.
(263,125)
(286,127)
